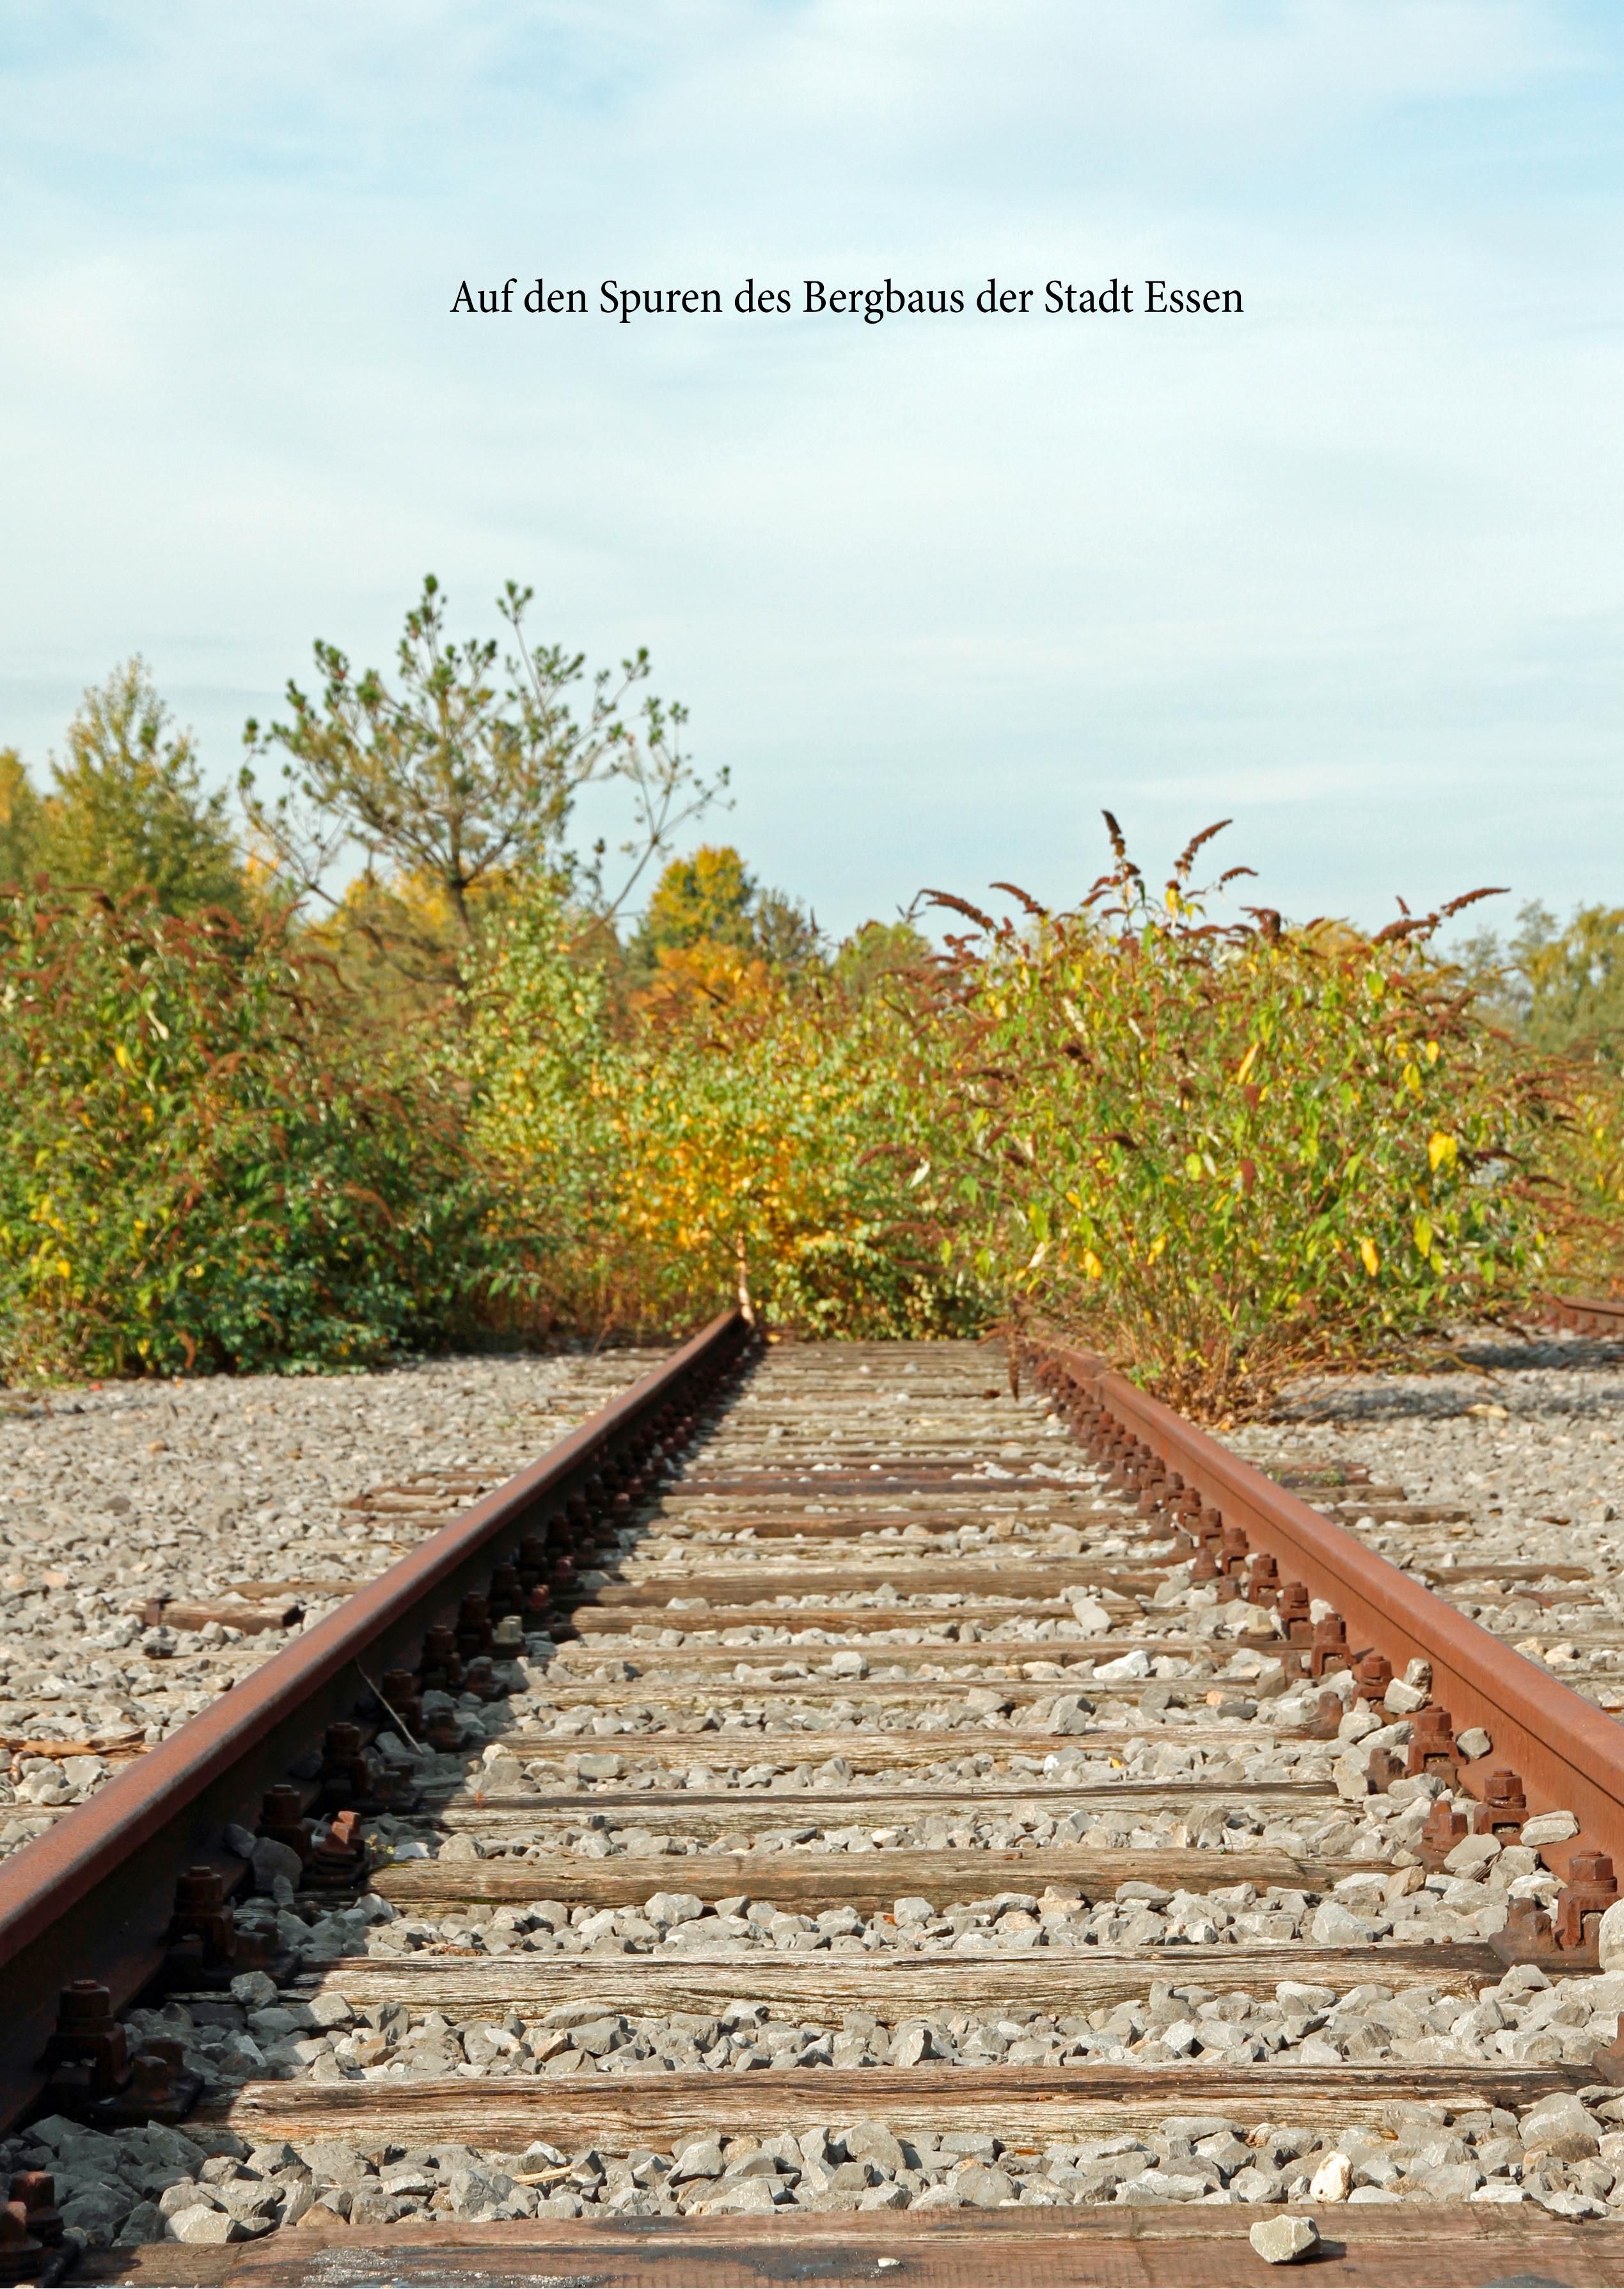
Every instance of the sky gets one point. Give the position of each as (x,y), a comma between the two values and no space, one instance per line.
(1345,566)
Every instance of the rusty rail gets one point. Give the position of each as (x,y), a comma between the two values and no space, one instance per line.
(93,1899)
(1585,1315)
(1565,1752)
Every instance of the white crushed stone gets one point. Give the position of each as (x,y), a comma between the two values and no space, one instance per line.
(140,2186)
(109,1496)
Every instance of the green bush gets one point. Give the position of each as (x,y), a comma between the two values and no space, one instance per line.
(205,1160)
(740,1132)
(1222,1155)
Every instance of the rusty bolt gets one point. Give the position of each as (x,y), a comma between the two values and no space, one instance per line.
(1330,1647)
(282,1819)
(474,1631)
(1432,1745)
(158,2088)
(1263,1580)
(1382,1768)
(344,1763)
(35,2190)
(20,2251)
(1527,1929)
(86,2052)
(1234,1549)
(203,1914)
(340,1857)
(400,1691)
(1442,1829)
(441,1664)
(1293,1610)
(1590,1890)
(1504,1807)
(1372,1674)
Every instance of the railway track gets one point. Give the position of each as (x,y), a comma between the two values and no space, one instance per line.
(834,1815)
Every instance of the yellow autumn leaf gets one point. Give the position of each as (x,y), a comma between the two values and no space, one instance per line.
(1440,1151)
(1092,1265)
(121,1055)
(1243,1071)
(1423,1236)
(1368,1257)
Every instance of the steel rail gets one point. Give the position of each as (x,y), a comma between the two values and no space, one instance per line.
(1569,1754)
(1585,1315)
(93,1897)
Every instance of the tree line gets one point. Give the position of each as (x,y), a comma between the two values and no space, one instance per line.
(390,1057)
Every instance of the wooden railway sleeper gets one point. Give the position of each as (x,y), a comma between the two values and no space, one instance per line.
(88,2072)
(1565,1937)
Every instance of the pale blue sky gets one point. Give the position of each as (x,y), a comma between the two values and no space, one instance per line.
(1347,567)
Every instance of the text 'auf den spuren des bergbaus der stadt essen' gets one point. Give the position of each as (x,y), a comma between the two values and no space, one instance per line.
(816,298)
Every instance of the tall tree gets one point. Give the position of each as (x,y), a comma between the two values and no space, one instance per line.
(711,898)
(128,808)
(710,895)
(1562,988)
(463,771)
(23,821)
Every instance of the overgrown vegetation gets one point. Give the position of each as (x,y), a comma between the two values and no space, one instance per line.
(405,1066)
(1227,1152)
(743,1130)
(208,1160)
(125,808)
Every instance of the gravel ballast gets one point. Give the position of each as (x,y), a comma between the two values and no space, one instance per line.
(113,1497)
(130,2187)
(1163,1685)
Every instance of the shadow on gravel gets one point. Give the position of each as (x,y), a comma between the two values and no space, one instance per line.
(1528,1376)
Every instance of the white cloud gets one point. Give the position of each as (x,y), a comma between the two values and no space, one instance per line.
(932,588)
